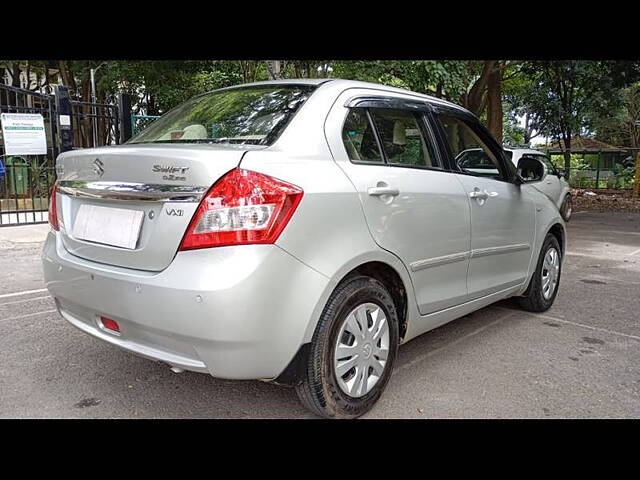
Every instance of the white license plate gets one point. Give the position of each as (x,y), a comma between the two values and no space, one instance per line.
(119,227)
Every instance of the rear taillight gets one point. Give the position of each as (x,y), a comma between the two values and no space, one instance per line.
(53,208)
(242,207)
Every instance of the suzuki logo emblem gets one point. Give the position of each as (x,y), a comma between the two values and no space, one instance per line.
(98,167)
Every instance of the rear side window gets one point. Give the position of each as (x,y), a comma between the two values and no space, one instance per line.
(402,138)
(469,152)
(359,138)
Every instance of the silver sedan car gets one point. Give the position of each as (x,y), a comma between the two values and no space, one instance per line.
(298,232)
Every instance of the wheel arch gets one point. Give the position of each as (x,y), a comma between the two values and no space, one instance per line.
(392,281)
(400,289)
(558,231)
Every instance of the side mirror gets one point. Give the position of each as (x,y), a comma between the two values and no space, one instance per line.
(562,173)
(530,170)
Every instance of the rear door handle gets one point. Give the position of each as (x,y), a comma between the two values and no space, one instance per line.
(379,191)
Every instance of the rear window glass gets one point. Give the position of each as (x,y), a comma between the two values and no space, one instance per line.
(254,115)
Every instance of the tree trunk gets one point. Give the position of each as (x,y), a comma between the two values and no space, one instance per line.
(473,101)
(494,103)
(636,183)
(14,71)
(274,69)
(527,131)
(67,77)
(567,156)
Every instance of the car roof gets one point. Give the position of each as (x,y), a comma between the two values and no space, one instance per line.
(339,82)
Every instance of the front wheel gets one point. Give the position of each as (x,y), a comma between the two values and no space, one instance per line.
(567,208)
(543,288)
(352,352)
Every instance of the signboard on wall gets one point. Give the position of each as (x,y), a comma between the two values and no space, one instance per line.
(23,134)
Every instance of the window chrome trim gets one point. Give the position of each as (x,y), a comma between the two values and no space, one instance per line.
(383,101)
(131,191)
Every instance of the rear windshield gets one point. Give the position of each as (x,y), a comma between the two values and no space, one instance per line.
(255,115)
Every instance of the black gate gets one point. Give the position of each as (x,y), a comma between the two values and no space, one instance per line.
(26,180)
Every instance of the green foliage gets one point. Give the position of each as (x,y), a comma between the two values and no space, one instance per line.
(557,98)
(565,96)
(448,79)
(624,176)
(618,127)
(512,132)
(158,86)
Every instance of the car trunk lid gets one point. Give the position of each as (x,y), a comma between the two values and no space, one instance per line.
(160,185)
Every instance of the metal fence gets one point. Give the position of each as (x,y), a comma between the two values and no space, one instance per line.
(600,170)
(96,124)
(25,184)
(26,180)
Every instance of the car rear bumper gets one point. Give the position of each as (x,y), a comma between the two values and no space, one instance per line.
(234,312)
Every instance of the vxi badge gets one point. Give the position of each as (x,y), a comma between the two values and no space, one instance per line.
(171,171)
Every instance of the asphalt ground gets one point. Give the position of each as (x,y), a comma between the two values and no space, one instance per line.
(581,359)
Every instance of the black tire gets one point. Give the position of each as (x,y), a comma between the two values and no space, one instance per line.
(319,390)
(566,208)
(533,299)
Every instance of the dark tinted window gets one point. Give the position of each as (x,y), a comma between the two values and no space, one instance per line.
(359,138)
(403,138)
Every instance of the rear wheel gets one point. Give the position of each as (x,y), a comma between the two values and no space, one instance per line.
(567,208)
(352,351)
(543,288)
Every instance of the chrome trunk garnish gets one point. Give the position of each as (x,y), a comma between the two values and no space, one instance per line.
(131,191)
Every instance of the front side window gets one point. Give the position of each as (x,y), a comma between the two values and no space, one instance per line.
(403,138)
(255,115)
(359,138)
(470,153)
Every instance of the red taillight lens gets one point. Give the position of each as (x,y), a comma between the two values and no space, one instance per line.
(53,208)
(110,324)
(242,207)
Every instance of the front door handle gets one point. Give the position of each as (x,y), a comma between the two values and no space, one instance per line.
(481,195)
(477,194)
(380,191)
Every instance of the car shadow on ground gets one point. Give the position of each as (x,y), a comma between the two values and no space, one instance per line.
(147,389)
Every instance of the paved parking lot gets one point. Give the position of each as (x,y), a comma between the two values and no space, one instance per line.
(581,359)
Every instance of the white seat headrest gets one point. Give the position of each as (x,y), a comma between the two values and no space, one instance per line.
(194,132)
(399,133)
